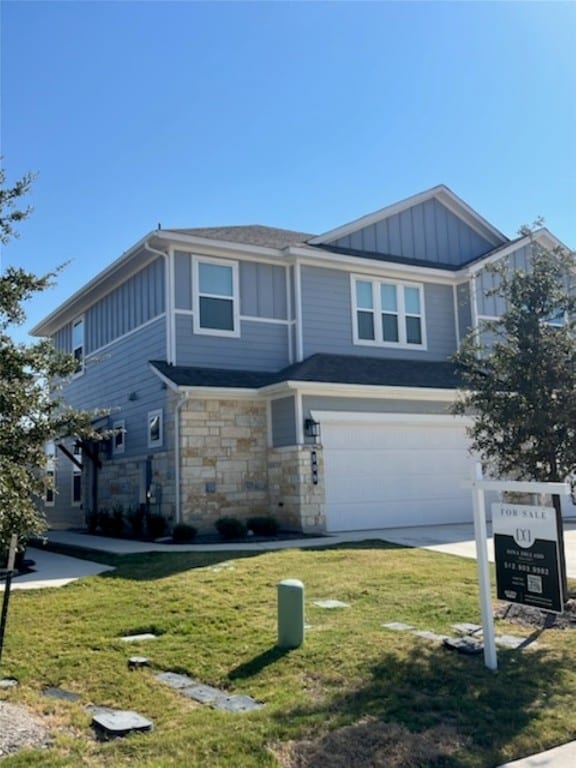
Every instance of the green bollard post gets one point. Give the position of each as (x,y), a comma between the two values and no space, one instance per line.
(290,613)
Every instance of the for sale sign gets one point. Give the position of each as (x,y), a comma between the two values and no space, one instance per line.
(526,555)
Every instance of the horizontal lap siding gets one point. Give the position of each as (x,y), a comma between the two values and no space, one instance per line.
(122,369)
(327,318)
(428,231)
(261,346)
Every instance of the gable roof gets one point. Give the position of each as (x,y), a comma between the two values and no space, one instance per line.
(252,234)
(442,193)
(321,368)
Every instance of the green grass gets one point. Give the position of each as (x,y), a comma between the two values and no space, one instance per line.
(219,626)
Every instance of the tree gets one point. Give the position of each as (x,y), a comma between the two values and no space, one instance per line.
(520,374)
(31,410)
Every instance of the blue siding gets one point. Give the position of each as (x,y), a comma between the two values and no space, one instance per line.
(369,405)
(486,280)
(463,309)
(62,339)
(327,318)
(261,346)
(428,231)
(283,421)
(262,287)
(110,378)
(133,303)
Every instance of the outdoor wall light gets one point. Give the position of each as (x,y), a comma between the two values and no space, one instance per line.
(311,428)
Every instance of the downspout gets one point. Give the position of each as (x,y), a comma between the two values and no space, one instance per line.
(177,413)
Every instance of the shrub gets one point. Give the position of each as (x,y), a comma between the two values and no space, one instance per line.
(136,519)
(117,522)
(231,528)
(92,522)
(105,522)
(156,526)
(183,533)
(263,525)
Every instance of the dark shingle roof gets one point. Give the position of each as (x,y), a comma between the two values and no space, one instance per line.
(334,369)
(253,234)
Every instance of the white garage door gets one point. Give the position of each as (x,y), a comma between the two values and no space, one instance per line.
(383,471)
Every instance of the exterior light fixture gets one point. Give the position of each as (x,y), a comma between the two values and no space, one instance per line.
(311,428)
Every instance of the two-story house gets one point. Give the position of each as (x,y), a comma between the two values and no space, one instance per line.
(251,370)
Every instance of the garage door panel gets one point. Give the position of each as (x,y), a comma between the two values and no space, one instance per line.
(389,474)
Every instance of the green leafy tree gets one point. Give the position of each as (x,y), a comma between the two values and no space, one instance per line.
(31,410)
(519,373)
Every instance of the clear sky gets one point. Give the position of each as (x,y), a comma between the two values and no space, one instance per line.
(302,115)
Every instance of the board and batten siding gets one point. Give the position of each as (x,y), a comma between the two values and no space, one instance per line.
(327,318)
(283,412)
(487,280)
(463,309)
(427,231)
(134,302)
(120,380)
(260,347)
(262,287)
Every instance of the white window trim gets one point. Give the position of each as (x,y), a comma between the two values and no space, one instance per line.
(75,473)
(118,449)
(75,322)
(235,298)
(378,341)
(151,415)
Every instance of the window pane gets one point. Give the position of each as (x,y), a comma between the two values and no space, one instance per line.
(364,295)
(77,488)
(388,297)
(412,301)
(78,334)
(413,330)
(216,313)
(389,328)
(216,279)
(154,427)
(366,326)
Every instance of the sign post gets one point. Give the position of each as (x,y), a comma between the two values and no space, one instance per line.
(535,568)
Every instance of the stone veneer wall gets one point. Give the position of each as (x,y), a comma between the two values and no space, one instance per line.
(223,460)
(227,468)
(295,500)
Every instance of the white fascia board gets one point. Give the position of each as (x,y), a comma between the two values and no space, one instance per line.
(210,246)
(315,258)
(78,301)
(441,193)
(360,391)
(430,419)
(542,236)
(169,383)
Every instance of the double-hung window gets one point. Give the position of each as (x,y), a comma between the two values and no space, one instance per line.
(388,313)
(216,297)
(77,476)
(78,344)
(155,429)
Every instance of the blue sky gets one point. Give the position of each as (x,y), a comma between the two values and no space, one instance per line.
(301,115)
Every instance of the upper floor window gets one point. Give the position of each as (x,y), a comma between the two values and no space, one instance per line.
(388,313)
(216,297)
(78,344)
(119,436)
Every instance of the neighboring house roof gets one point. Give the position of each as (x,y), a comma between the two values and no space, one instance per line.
(252,234)
(322,368)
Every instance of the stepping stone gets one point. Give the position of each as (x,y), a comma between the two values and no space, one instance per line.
(138,638)
(137,662)
(95,709)
(466,629)
(236,703)
(509,641)
(8,682)
(330,604)
(110,725)
(470,646)
(205,694)
(175,680)
(430,635)
(398,626)
(61,694)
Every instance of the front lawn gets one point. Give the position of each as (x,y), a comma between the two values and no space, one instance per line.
(391,699)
